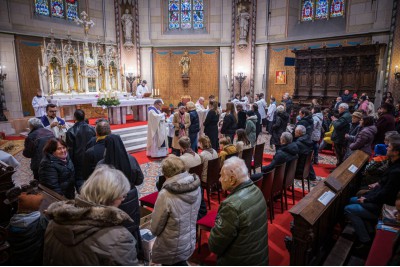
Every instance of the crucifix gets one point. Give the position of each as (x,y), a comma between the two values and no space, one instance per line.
(86,22)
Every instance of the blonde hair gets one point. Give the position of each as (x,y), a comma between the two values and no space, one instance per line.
(172,166)
(104,186)
(190,106)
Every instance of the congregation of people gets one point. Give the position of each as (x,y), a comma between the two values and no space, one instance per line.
(99,223)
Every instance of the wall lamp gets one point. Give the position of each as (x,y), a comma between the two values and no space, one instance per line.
(396,72)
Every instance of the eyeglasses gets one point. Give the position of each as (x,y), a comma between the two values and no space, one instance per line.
(52,111)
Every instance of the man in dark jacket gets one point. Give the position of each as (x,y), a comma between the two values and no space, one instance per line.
(368,207)
(346,97)
(259,122)
(341,128)
(240,234)
(34,144)
(78,137)
(194,127)
(306,120)
(287,152)
(305,146)
(288,104)
(95,148)
(337,103)
(386,122)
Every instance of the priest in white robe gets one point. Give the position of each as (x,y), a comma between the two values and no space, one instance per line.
(202,112)
(157,141)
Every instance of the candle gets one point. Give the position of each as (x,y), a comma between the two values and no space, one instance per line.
(158,92)
(152,91)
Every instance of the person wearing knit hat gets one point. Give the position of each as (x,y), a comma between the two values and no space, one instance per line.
(26,231)
(357,114)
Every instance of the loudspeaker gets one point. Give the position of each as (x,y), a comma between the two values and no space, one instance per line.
(289,61)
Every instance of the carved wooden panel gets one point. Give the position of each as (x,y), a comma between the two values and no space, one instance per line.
(326,72)
(28,54)
(203,73)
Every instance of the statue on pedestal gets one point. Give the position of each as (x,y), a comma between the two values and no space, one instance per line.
(185,64)
(243,21)
(127,26)
(71,79)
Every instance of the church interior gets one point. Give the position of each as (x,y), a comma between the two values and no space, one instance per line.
(146,76)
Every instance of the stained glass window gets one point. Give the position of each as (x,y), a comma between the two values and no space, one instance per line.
(321,9)
(57,9)
(185,14)
(64,9)
(337,8)
(307,11)
(72,9)
(198,14)
(42,7)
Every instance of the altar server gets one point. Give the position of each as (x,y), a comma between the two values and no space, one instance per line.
(39,104)
(142,89)
(157,142)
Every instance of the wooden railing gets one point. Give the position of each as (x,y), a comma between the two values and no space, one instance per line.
(315,216)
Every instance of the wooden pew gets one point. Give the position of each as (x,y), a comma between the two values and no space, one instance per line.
(313,221)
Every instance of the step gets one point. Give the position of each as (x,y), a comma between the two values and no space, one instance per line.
(136,148)
(132,142)
(130,130)
(135,135)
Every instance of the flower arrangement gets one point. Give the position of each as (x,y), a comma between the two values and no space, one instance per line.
(108,102)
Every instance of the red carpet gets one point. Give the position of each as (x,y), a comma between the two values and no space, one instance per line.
(130,122)
(142,158)
(14,137)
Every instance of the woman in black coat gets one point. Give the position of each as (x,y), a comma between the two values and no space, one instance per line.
(211,125)
(117,157)
(229,124)
(56,170)
(279,126)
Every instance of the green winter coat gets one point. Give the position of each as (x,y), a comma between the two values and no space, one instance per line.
(341,127)
(240,235)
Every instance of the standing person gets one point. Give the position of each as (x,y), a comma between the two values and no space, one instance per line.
(157,141)
(181,123)
(174,218)
(229,124)
(246,101)
(52,122)
(288,104)
(95,149)
(240,234)
(250,129)
(202,113)
(254,107)
(337,103)
(88,230)
(386,122)
(306,120)
(39,104)
(56,170)
(241,116)
(279,126)
(78,137)
(341,128)
(346,97)
(116,156)
(142,89)
(194,127)
(363,104)
(34,144)
(316,133)
(271,114)
(262,105)
(211,124)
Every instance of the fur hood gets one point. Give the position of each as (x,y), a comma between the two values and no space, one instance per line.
(75,220)
(184,186)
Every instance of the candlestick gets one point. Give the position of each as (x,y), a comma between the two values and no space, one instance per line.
(152,92)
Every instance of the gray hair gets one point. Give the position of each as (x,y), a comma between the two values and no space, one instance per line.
(302,129)
(103,127)
(104,186)
(288,137)
(158,101)
(345,106)
(280,108)
(35,123)
(237,167)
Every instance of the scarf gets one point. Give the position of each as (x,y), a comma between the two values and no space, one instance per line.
(182,132)
(190,151)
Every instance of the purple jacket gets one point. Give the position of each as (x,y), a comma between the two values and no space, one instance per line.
(364,139)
